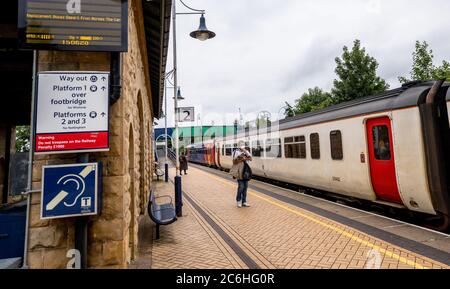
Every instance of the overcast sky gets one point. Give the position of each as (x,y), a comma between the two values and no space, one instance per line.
(267,52)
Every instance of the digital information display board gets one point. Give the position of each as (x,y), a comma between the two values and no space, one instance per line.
(74,25)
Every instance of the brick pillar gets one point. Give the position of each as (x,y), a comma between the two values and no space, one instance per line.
(109,233)
(51,239)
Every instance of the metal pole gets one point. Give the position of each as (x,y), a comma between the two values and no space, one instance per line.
(81,226)
(166,163)
(175,79)
(178,190)
(5,180)
(30,161)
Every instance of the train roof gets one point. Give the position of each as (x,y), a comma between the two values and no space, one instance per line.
(406,96)
(409,95)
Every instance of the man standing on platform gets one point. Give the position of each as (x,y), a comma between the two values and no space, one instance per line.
(183,163)
(242,172)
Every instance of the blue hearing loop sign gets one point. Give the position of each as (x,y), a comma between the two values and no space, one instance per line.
(71,190)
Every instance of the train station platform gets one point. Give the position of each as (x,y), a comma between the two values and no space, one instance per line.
(281,229)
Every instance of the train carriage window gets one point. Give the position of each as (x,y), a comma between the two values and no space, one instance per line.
(273,148)
(302,147)
(315,146)
(295,147)
(381,145)
(228,150)
(257,149)
(287,151)
(336,145)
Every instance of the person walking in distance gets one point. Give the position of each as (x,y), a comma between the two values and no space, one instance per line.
(183,163)
(242,172)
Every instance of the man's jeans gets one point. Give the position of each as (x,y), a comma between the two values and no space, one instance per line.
(242,191)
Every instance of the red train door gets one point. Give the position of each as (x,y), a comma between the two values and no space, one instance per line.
(218,156)
(381,158)
(213,155)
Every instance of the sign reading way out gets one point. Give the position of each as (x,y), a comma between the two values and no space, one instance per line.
(93,25)
(72,112)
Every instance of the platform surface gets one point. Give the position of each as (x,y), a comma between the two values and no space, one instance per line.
(281,229)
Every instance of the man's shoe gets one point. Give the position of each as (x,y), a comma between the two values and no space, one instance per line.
(239,204)
(246,205)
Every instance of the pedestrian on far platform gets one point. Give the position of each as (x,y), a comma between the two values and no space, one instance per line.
(183,163)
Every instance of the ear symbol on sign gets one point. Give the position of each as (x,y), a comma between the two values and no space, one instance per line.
(78,181)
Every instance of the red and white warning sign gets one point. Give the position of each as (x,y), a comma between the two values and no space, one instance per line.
(72,112)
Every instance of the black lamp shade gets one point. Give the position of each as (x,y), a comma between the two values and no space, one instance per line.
(202,33)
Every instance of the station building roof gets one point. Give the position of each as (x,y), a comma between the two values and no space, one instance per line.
(157,27)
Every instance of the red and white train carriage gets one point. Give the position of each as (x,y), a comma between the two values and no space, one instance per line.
(392,148)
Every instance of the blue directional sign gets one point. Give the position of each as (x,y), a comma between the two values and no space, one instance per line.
(71,190)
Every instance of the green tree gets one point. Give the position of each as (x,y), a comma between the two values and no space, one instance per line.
(423,68)
(289,110)
(442,72)
(312,100)
(357,73)
(22,139)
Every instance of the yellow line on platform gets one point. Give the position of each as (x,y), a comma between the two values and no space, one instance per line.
(331,227)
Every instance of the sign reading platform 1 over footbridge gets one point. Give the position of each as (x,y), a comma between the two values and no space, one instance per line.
(72,112)
(71,190)
(91,25)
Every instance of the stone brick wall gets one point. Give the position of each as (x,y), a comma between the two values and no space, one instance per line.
(112,236)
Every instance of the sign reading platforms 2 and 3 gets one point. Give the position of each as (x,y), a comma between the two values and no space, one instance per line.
(72,112)
(71,190)
(92,25)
